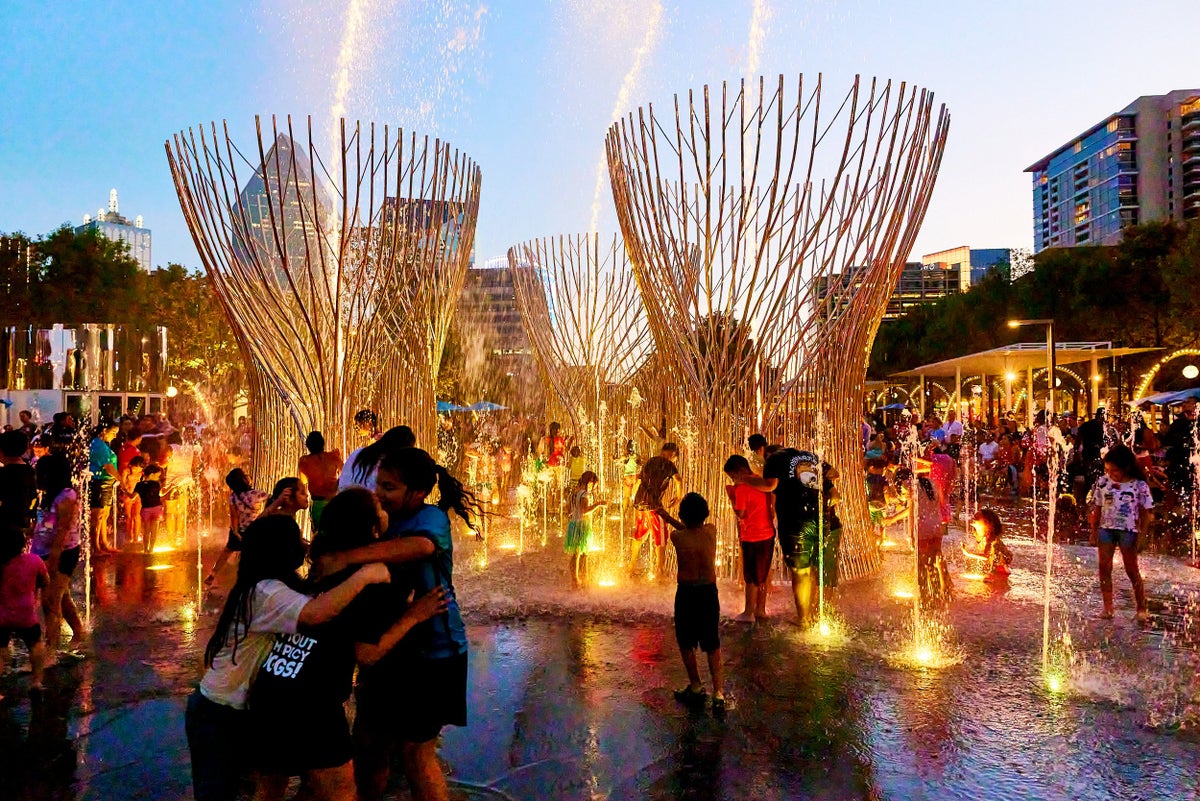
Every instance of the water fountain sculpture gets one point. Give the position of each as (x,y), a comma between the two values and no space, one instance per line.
(338,278)
(582,311)
(794,271)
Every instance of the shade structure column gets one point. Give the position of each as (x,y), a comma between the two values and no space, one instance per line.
(1029,396)
(1094,381)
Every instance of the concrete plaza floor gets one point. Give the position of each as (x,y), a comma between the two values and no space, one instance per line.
(572,703)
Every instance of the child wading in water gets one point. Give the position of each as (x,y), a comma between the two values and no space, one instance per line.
(22,577)
(149,491)
(246,505)
(1120,510)
(989,548)
(697,605)
(755,509)
(579,529)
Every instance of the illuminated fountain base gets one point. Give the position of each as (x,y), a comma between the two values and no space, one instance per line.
(988,623)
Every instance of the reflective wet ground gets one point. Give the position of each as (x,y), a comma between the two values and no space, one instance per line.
(570,692)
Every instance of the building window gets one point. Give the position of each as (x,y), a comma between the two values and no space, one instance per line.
(1112,126)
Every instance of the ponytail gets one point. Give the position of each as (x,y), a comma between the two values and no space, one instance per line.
(455,497)
(418,470)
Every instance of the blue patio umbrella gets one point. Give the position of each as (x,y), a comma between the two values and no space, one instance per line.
(486,406)
(445,407)
(891,407)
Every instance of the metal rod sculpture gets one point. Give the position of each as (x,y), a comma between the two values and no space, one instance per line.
(328,273)
(769,338)
(582,311)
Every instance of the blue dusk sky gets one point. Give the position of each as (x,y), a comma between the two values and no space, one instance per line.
(91,90)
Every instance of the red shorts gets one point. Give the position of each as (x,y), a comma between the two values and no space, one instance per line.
(648,522)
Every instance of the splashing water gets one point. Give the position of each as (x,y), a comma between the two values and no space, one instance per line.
(640,57)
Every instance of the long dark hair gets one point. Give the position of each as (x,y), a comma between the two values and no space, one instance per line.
(991,523)
(282,486)
(420,472)
(393,439)
(53,476)
(350,520)
(272,548)
(1122,458)
(237,481)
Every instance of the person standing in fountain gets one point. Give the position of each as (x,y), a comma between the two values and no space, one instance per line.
(779,477)
(697,603)
(366,425)
(246,504)
(816,554)
(360,469)
(579,528)
(754,509)
(57,540)
(757,444)
(102,489)
(149,492)
(406,698)
(933,578)
(321,468)
(656,476)
(1120,504)
(1181,444)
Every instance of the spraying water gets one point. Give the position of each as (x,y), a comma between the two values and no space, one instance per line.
(352,32)
(760,16)
(628,84)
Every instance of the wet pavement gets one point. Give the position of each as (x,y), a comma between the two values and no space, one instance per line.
(570,693)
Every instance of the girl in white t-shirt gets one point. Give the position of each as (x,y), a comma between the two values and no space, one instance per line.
(264,602)
(1120,509)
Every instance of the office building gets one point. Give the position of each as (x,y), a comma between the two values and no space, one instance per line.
(490,319)
(969,265)
(918,284)
(112,225)
(1139,165)
(292,215)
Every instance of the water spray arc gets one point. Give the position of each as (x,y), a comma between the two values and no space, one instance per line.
(338,278)
(725,186)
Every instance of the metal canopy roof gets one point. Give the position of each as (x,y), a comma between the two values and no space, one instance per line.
(1018,358)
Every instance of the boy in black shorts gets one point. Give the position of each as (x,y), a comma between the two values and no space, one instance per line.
(697,606)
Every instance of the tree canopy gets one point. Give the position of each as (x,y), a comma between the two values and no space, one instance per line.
(1143,292)
(72,278)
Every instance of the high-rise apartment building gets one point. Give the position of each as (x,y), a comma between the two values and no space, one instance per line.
(1141,164)
(112,225)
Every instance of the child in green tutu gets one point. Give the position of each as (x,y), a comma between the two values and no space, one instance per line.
(579,529)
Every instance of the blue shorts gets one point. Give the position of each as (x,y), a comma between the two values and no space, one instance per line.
(1119,537)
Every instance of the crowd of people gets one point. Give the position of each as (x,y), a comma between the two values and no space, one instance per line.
(1115,479)
(368,608)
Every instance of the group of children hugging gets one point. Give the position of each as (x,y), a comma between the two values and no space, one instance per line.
(377,597)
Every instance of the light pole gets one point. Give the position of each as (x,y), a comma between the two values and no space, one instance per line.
(1051,361)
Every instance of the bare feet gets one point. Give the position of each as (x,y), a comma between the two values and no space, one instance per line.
(1107,614)
(745,617)
(1142,617)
